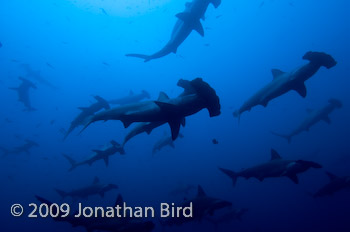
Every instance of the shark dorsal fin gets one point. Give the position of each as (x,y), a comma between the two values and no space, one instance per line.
(114,143)
(276,73)
(163,97)
(96,180)
(119,200)
(275,155)
(201,192)
(331,176)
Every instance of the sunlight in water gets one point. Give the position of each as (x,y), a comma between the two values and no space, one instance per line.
(122,8)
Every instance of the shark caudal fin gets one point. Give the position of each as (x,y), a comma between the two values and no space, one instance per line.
(287,137)
(63,194)
(233,175)
(320,58)
(72,162)
(141,56)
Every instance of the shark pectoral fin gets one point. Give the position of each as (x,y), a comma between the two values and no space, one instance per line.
(260,178)
(175,128)
(294,178)
(175,50)
(301,89)
(276,73)
(126,122)
(327,120)
(106,160)
(199,28)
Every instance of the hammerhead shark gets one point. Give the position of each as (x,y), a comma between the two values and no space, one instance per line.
(132,98)
(276,167)
(99,155)
(314,117)
(203,206)
(20,149)
(335,184)
(34,74)
(188,21)
(284,82)
(197,95)
(86,113)
(111,224)
(96,188)
(23,93)
(148,127)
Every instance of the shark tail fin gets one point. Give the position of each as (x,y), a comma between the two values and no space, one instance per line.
(72,162)
(145,57)
(233,175)
(237,114)
(63,194)
(287,137)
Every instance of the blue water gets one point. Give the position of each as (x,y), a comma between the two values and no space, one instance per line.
(80,49)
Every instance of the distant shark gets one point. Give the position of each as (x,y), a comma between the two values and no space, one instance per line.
(25,148)
(99,155)
(284,82)
(132,98)
(34,74)
(23,93)
(203,206)
(86,113)
(197,95)
(96,188)
(276,167)
(335,184)
(111,224)
(314,117)
(188,21)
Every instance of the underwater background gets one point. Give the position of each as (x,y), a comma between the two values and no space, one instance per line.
(79,48)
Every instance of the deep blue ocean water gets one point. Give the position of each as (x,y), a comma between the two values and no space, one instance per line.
(79,47)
